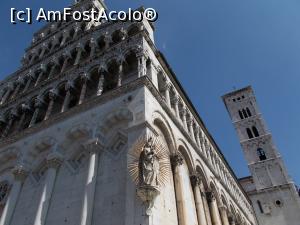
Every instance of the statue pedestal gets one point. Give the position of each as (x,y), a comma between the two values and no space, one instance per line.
(148,195)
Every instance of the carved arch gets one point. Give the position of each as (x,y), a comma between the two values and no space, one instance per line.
(161,122)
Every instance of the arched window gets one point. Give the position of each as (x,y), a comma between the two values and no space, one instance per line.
(260,206)
(241,114)
(249,112)
(261,154)
(245,113)
(255,131)
(249,132)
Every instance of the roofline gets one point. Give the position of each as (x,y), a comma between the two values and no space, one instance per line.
(247,88)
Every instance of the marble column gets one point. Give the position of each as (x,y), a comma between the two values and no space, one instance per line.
(29,80)
(41,74)
(6,95)
(65,37)
(20,174)
(177,162)
(196,182)
(183,113)
(16,91)
(93,147)
(54,161)
(191,127)
(142,70)
(120,73)
(52,97)
(224,215)
(67,55)
(54,66)
(186,209)
(205,205)
(100,87)
(84,79)
(25,109)
(107,40)
(37,105)
(214,210)
(80,50)
(175,101)
(69,87)
(167,93)
(8,125)
(94,46)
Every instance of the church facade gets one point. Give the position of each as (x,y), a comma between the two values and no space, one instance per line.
(273,193)
(96,129)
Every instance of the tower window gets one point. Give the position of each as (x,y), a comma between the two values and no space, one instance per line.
(260,206)
(249,132)
(255,131)
(249,112)
(241,114)
(245,113)
(261,154)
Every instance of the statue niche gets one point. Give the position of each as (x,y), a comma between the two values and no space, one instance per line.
(148,165)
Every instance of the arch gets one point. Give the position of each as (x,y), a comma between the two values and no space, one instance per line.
(250,134)
(261,154)
(161,122)
(241,114)
(245,113)
(224,199)
(213,188)
(255,131)
(184,151)
(200,170)
(248,112)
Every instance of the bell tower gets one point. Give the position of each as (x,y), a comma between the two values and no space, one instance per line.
(270,187)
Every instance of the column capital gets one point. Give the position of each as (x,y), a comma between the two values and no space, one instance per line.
(211,196)
(175,99)
(196,180)
(20,172)
(25,108)
(190,122)
(93,146)
(53,94)
(176,160)
(223,208)
(38,103)
(54,160)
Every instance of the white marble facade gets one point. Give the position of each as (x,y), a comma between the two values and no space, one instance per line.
(70,117)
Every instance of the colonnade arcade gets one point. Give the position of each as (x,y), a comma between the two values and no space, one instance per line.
(210,205)
(98,79)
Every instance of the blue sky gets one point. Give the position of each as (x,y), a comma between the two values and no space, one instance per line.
(213,46)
